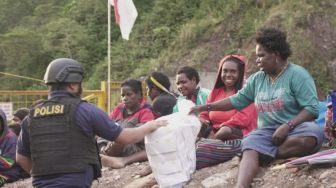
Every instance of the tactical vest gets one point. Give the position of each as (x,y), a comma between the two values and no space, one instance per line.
(57,144)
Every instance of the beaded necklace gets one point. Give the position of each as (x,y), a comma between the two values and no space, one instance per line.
(274,79)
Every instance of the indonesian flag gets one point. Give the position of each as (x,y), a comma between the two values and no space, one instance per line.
(125,15)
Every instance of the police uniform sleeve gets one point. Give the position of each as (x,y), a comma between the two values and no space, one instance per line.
(96,122)
(23,143)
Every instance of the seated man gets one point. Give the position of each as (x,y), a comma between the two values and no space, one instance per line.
(20,114)
(9,170)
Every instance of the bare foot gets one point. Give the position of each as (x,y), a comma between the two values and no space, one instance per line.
(113,162)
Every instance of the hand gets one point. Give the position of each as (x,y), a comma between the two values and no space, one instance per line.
(155,124)
(196,109)
(205,128)
(205,122)
(280,134)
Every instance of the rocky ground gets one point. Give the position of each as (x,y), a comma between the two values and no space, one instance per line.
(222,175)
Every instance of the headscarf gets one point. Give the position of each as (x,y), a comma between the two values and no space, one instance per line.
(241,59)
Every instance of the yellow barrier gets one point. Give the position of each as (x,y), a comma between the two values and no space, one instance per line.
(98,97)
(28,98)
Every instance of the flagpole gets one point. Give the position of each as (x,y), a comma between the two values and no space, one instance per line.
(108,56)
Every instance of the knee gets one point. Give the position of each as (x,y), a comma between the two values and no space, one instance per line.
(297,147)
(308,142)
(223,132)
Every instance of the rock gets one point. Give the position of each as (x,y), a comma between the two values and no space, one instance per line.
(333,185)
(301,183)
(324,175)
(216,180)
(220,179)
(116,177)
(147,181)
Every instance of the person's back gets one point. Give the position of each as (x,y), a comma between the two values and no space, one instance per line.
(57,141)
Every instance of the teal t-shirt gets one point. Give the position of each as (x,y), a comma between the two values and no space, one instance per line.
(281,101)
(201,98)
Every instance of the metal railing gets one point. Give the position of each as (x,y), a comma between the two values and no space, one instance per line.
(20,99)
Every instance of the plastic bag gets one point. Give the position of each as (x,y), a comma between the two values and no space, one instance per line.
(171,149)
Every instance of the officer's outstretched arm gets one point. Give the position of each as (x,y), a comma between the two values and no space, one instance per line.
(24,162)
(134,135)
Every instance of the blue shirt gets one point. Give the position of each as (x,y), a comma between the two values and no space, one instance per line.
(92,121)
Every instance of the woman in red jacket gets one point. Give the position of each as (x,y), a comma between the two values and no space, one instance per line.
(233,124)
(225,128)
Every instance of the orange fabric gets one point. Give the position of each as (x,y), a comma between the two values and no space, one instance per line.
(246,119)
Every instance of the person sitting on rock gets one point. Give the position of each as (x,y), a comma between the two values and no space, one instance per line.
(233,124)
(9,170)
(187,80)
(134,111)
(286,101)
(158,90)
(224,130)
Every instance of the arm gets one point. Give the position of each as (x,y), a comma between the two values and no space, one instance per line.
(23,148)
(240,100)
(204,115)
(281,133)
(24,162)
(244,119)
(303,116)
(134,135)
(303,87)
(221,105)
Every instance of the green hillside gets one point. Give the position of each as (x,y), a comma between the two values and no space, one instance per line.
(167,34)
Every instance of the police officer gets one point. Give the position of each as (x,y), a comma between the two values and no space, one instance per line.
(57,142)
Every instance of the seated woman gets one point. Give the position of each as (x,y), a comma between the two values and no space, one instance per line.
(226,128)
(286,101)
(233,124)
(163,101)
(132,112)
(187,80)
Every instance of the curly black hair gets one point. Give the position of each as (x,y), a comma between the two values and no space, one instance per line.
(274,40)
(134,84)
(190,72)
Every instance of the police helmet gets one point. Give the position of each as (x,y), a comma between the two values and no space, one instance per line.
(64,70)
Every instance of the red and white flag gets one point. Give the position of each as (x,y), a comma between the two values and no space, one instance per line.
(125,15)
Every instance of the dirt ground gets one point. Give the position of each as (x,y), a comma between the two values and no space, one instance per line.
(222,175)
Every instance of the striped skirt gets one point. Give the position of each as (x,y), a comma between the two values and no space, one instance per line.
(210,152)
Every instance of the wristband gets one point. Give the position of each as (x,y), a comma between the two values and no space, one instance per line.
(209,107)
(290,125)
